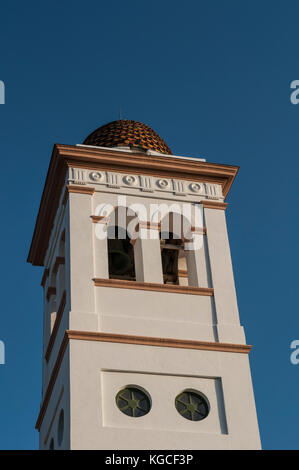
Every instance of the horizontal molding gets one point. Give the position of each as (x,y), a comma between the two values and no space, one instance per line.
(99,218)
(135,340)
(148,225)
(78,189)
(56,326)
(182,273)
(214,204)
(155,165)
(150,286)
(199,230)
(160,342)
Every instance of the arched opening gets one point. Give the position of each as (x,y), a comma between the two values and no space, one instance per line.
(173,255)
(120,254)
(121,260)
(174,266)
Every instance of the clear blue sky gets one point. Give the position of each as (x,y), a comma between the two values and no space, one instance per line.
(212,78)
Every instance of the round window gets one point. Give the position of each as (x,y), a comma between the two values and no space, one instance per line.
(133,401)
(60,427)
(192,405)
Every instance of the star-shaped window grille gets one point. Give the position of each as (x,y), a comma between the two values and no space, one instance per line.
(133,402)
(192,405)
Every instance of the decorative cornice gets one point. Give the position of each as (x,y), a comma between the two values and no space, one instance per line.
(150,286)
(178,187)
(66,156)
(48,207)
(214,204)
(169,167)
(134,340)
(56,326)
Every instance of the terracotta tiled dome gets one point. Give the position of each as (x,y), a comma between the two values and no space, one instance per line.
(127,133)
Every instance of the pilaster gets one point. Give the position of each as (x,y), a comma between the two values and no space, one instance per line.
(227,314)
(147,255)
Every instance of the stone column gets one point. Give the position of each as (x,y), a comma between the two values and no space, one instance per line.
(196,256)
(147,254)
(101,262)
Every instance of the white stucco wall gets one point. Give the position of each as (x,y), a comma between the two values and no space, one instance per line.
(93,372)
(99,370)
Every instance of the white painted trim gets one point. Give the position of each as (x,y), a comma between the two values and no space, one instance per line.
(149,152)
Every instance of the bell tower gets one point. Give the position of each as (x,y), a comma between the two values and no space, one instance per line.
(142,342)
